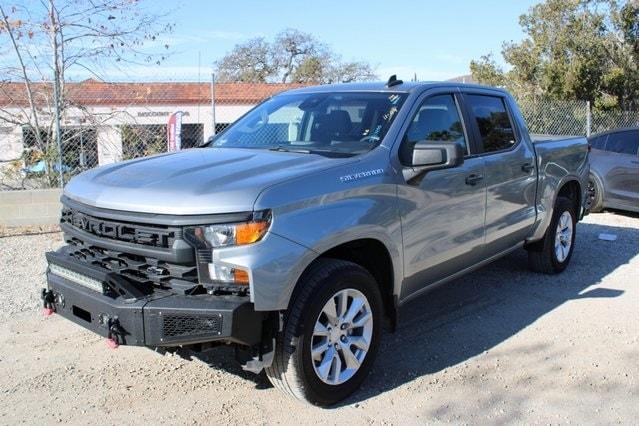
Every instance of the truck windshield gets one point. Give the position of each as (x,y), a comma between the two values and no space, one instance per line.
(333,124)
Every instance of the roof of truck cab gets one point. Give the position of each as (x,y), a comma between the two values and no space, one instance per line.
(405,87)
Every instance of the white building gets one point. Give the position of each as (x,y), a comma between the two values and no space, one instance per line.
(108,122)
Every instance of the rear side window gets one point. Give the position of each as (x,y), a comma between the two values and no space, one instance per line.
(493,122)
(623,142)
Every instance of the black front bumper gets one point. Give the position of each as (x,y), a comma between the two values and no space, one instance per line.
(159,319)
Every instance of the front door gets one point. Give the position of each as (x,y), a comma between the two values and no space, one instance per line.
(442,211)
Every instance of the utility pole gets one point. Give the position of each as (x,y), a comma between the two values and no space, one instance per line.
(56,86)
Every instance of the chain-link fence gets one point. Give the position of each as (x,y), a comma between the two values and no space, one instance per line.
(607,120)
(102,123)
(556,117)
(550,117)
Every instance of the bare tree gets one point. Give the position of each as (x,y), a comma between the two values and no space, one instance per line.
(291,48)
(250,62)
(347,72)
(292,57)
(49,39)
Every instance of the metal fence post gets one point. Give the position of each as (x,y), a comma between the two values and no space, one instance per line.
(588,119)
(56,89)
(213,101)
(58,136)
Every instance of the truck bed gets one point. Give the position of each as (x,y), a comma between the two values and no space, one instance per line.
(557,157)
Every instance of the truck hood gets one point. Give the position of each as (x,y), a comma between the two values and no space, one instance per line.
(195,181)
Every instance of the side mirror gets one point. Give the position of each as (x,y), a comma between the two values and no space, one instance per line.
(207,142)
(435,156)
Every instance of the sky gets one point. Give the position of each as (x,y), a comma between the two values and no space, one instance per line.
(436,40)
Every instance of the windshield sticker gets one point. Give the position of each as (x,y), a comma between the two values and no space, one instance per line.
(378,129)
(361,175)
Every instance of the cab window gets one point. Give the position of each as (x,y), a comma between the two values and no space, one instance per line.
(437,120)
(493,122)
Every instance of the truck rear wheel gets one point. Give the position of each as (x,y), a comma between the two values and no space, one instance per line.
(331,334)
(552,254)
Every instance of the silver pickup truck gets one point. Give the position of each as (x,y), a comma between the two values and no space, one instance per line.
(301,230)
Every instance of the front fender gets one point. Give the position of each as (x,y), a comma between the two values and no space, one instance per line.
(302,231)
(324,210)
(273,264)
(328,221)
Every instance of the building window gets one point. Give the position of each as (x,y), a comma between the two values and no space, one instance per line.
(192,135)
(79,147)
(220,127)
(142,140)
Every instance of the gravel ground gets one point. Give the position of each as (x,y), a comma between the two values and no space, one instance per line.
(502,345)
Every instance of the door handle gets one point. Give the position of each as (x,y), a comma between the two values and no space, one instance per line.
(473,179)
(527,167)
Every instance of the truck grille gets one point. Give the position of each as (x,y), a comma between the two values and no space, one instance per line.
(146,235)
(141,269)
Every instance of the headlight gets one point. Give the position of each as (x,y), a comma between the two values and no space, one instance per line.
(206,238)
(232,234)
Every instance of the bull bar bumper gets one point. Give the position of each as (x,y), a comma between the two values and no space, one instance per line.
(159,319)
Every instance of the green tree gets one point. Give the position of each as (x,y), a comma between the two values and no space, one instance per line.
(573,49)
(311,69)
(486,70)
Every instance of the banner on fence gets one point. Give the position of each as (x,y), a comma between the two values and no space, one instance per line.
(174,132)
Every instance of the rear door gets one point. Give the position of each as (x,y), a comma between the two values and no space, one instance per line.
(510,170)
(622,175)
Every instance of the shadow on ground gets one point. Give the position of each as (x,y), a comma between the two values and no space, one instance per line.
(479,311)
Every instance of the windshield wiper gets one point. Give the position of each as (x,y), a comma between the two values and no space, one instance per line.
(282,148)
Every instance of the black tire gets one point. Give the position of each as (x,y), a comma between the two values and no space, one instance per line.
(595,192)
(542,256)
(293,370)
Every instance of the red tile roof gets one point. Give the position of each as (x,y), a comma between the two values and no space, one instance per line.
(97,93)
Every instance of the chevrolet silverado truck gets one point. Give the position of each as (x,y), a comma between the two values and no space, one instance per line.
(301,230)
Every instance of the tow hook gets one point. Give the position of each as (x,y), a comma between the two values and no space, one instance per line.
(115,338)
(48,298)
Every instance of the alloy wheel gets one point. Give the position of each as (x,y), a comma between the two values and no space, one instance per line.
(341,336)
(563,236)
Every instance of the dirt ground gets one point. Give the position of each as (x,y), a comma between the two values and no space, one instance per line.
(502,345)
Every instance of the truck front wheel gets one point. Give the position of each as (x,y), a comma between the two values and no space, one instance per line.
(552,254)
(331,333)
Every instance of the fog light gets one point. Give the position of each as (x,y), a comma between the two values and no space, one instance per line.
(241,276)
(228,274)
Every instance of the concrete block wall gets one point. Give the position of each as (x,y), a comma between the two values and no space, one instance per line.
(32,207)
